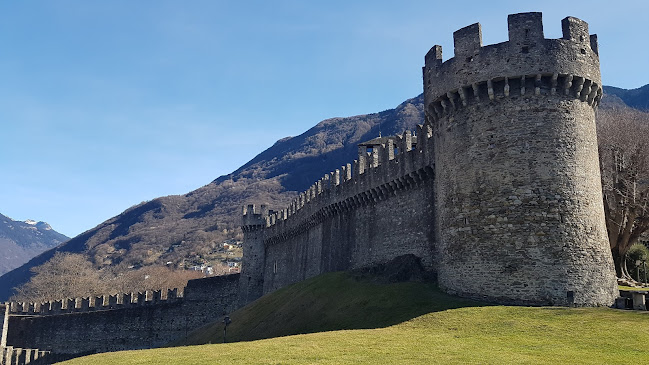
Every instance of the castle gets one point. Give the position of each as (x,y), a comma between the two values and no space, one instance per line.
(498,193)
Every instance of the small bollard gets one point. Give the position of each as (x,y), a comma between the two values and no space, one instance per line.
(226,322)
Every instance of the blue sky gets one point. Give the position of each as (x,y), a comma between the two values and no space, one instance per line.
(107,104)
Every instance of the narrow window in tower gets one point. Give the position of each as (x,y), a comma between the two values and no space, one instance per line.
(525,49)
(275,267)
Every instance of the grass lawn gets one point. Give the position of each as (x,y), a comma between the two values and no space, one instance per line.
(623,287)
(474,335)
(334,301)
(403,323)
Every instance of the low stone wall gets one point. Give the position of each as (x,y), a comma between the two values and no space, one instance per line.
(102,331)
(633,299)
(127,326)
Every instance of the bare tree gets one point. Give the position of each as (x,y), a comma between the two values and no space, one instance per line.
(73,275)
(151,278)
(64,276)
(623,136)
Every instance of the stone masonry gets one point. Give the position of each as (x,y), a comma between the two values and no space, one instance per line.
(80,326)
(500,196)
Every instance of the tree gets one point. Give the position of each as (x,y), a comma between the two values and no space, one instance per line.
(623,136)
(64,276)
(636,259)
(150,278)
(69,275)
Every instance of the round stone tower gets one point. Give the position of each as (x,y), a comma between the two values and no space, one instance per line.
(520,216)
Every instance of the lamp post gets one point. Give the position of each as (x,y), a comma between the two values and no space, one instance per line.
(226,322)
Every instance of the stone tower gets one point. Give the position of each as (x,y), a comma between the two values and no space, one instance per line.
(251,282)
(520,216)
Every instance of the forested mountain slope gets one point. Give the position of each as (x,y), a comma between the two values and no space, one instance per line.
(175,228)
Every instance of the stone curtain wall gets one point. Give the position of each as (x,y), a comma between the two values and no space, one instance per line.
(356,237)
(102,331)
(209,299)
(365,213)
(520,209)
(124,327)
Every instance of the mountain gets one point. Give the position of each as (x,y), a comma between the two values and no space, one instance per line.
(634,98)
(186,227)
(20,241)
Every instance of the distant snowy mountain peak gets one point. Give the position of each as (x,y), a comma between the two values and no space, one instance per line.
(37,225)
(44,226)
(22,240)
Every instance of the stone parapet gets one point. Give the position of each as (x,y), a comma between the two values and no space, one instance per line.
(373,177)
(89,304)
(527,53)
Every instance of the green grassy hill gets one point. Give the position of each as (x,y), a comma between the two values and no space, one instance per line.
(329,302)
(404,323)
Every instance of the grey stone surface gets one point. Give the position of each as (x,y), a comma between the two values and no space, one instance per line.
(4,310)
(520,214)
(639,301)
(381,211)
(139,325)
(500,196)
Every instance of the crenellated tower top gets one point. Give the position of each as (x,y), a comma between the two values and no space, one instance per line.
(254,216)
(527,53)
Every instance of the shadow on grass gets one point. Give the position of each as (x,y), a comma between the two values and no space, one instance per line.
(330,302)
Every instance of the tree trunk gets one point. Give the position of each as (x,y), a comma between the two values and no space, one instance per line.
(618,260)
(625,269)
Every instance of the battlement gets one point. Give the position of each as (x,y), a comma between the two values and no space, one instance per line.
(384,166)
(90,304)
(10,355)
(525,28)
(527,55)
(254,216)
(467,40)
